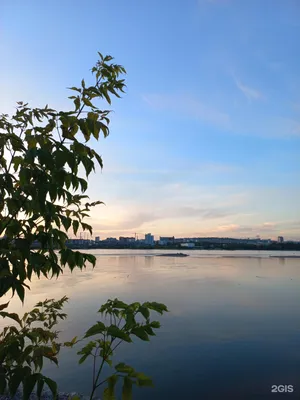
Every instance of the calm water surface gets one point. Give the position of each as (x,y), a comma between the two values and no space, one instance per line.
(233,329)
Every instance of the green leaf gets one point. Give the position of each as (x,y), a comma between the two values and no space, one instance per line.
(52,386)
(32,141)
(17,160)
(104,129)
(140,333)
(144,311)
(105,94)
(99,159)
(155,324)
(66,222)
(143,380)
(93,116)
(28,385)
(13,316)
(127,389)
(40,386)
(68,344)
(99,327)
(73,341)
(75,88)
(109,393)
(158,307)
(3,306)
(83,358)
(87,227)
(90,258)
(15,380)
(2,383)
(21,292)
(120,304)
(87,102)
(88,165)
(121,367)
(114,331)
(84,129)
(83,184)
(149,330)
(77,103)
(75,224)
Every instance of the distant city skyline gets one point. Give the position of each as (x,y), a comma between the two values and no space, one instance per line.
(149,237)
(206,140)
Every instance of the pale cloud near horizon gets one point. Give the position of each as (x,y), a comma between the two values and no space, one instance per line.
(265,230)
(181,208)
(177,201)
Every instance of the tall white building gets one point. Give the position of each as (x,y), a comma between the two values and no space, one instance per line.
(149,239)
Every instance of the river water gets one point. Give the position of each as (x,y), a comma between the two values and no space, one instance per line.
(232,332)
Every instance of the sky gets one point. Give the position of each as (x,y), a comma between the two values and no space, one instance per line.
(206,140)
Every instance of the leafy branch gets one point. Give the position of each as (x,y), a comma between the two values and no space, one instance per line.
(40,178)
(130,321)
(24,346)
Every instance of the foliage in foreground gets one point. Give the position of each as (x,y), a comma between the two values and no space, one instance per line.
(42,198)
(24,347)
(124,322)
(42,152)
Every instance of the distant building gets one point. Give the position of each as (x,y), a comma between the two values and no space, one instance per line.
(280,239)
(149,239)
(189,245)
(179,240)
(97,239)
(166,240)
(126,240)
(265,241)
(111,240)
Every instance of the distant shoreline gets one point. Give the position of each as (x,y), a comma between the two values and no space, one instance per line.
(285,256)
(183,249)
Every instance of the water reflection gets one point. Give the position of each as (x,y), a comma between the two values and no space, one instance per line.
(281,260)
(233,329)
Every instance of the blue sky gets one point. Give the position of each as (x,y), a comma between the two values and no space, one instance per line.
(206,140)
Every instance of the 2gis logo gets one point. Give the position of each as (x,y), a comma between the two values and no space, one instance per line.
(282,389)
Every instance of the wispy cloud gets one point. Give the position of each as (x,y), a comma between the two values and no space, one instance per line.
(127,224)
(136,221)
(186,105)
(249,92)
(247,230)
(201,213)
